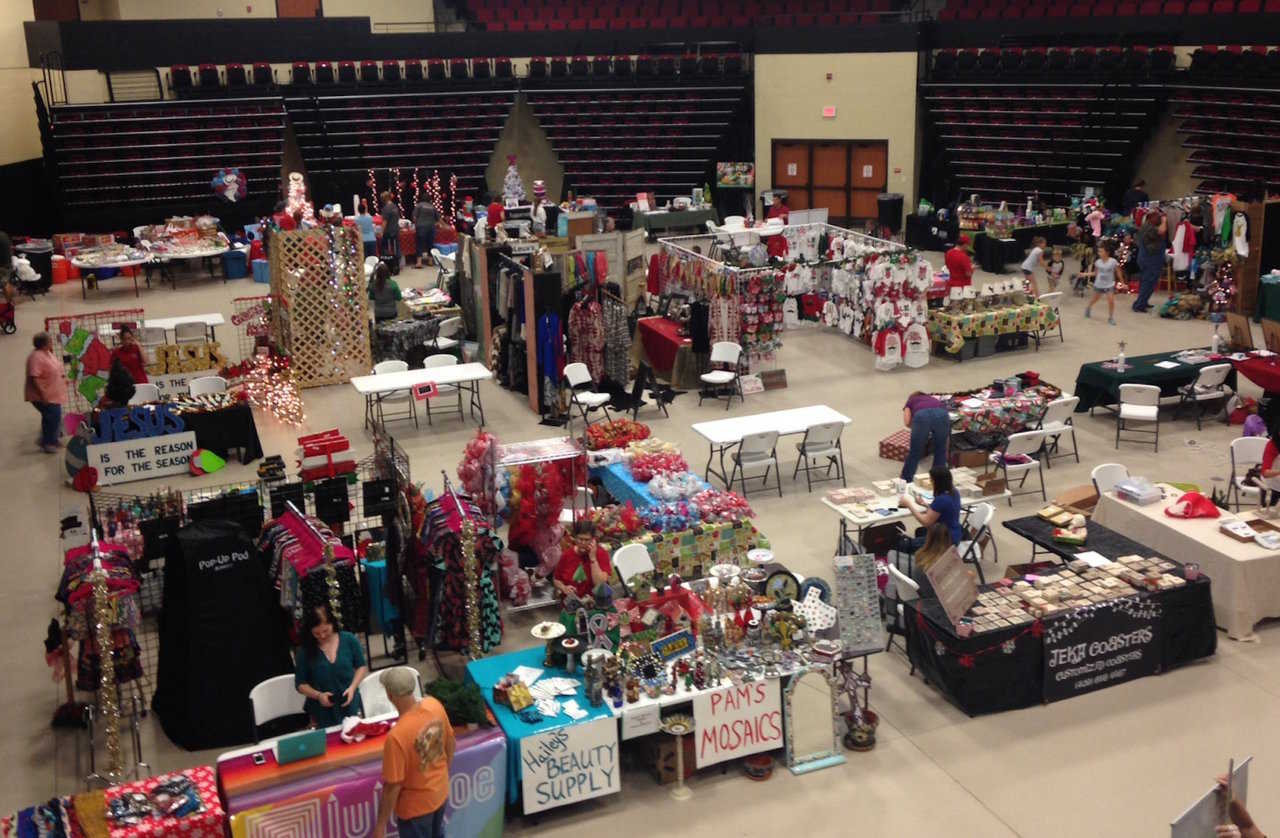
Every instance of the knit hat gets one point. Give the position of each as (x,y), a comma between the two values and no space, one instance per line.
(539,190)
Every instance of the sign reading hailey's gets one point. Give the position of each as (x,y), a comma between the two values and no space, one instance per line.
(137,443)
(1100,645)
(737,721)
(569,764)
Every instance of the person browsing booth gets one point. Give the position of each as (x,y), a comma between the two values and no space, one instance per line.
(415,761)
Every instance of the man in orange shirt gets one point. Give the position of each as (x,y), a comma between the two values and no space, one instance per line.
(415,761)
(46,389)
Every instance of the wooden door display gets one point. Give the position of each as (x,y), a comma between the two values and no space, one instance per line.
(843,176)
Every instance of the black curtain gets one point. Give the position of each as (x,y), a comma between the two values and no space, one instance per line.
(220,635)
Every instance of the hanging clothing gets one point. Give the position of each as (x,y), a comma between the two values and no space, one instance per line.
(653,281)
(726,320)
(550,345)
(586,336)
(617,342)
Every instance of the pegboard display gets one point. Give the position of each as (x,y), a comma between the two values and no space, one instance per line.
(320,316)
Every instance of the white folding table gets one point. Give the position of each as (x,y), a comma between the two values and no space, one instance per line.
(723,434)
(464,376)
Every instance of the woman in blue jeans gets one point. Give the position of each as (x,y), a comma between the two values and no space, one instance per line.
(1151,257)
(927,418)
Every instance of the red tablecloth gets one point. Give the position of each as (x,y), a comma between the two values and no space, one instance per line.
(1265,372)
(661,338)
(209,823)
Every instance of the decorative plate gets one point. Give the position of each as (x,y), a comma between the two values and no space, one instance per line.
(547,630)
(782,582)
(677,724)
(823,586)
(760,555)
(725,572)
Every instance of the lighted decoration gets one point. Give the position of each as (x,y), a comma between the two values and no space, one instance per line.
(108,697)
(271,386)
(297,200)
(230,185)
(512,186)
(1222,287)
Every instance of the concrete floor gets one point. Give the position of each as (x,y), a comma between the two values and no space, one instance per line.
(1118,762)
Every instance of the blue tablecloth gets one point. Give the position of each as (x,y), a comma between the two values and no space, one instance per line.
(617,479)
(488,671)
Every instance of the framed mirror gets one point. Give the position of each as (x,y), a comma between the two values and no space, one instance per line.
(812,741)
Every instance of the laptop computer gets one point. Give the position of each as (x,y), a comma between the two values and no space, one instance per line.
(300,746)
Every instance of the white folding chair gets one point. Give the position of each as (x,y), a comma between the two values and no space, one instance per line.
(1057,421)
(1054,300)
(190,332)
(373,696)
(726,355)
(1210,386)
(1106,476)
(396,397)
(756,451)
(821,444)
(1246,452)
(630,560)
(578,502)
(586,400)
(1140,406)
(207,385)
(905,589)
(447,335)
(144,393)
(735,221)
(980,517)
(443,360)
(1026,444)
(275,698)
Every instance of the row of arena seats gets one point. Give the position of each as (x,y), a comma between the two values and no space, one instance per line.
(579,15)
(1211,60)
(235,79)
(1231,134)
(1004,9)
(162,152)
(1011,139)
(952,63)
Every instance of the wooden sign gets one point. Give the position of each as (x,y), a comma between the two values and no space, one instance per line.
(953,585)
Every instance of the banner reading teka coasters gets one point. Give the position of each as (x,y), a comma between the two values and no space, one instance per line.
(737,721)
(1099,645)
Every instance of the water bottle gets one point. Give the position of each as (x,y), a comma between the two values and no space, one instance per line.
(1216,343)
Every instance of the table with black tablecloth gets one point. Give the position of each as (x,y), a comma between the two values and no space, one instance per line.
(225,429)
(979,676)
(1268,300)
(1099,386)
(924,232)
(993,253)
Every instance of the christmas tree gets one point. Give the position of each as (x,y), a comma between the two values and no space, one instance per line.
(512,186)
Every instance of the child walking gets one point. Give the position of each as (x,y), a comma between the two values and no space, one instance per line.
(1035,258)
(1057,265)
(1106,269)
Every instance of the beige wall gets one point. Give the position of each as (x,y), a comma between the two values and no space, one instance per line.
(174,9)
(19,135)
(875,99)
(388,14)
(385,15)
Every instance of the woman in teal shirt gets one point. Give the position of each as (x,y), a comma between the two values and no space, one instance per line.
(328,669)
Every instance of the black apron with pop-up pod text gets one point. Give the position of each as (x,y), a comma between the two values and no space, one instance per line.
(220,635)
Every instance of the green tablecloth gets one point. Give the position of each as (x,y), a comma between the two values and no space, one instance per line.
(951,328)
(672,220)
(1098,385)
(1268,301)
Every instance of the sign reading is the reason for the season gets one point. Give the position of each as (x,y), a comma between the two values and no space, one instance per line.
(569,764)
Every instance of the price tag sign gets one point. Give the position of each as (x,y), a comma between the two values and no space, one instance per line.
(422,392)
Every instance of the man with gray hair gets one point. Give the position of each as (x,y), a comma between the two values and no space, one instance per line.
(415,760)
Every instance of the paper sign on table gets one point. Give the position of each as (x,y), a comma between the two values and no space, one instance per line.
(527,674)
(641,721)
(1093,558)
(1167,365)
(569,764)
(737,721)
(424,391)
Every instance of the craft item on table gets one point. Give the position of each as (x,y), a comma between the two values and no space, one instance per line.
(1237,529)
(714,505)
(855,494)
(1192,505)
(512,692)
(670,487)
(356,729)
(670,517)
(615,521)
(1075,532)
(645,466)
(650,445)
(617,433)
(1055,515)
(818,615)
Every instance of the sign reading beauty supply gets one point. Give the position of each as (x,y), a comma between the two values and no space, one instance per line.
(1101,645)
(569,764)
(737,721)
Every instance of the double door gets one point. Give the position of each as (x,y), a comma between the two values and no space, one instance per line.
(842,176)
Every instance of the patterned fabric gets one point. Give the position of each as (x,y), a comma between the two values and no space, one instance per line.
(725,319)
(395,339)
(346,602)
(1004,414)
(209,822)
(586,337)
(617,342)
(952,328)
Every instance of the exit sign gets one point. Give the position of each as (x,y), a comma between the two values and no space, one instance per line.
(829,112)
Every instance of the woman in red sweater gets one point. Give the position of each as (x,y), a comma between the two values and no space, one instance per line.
(129,354)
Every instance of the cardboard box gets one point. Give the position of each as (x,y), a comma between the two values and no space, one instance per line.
(662,757)
(1078,499)
(968,457)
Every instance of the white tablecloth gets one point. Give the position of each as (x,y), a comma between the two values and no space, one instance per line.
(1246,577)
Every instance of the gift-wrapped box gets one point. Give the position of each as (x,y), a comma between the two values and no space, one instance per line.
(896,445)
(209,822)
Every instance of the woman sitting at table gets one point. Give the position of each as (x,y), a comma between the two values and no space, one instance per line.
(945,510)
(937,542)
(328,669)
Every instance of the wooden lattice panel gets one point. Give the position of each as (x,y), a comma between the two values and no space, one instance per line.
(321,316)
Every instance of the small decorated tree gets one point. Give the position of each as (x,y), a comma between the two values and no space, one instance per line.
(512,186)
